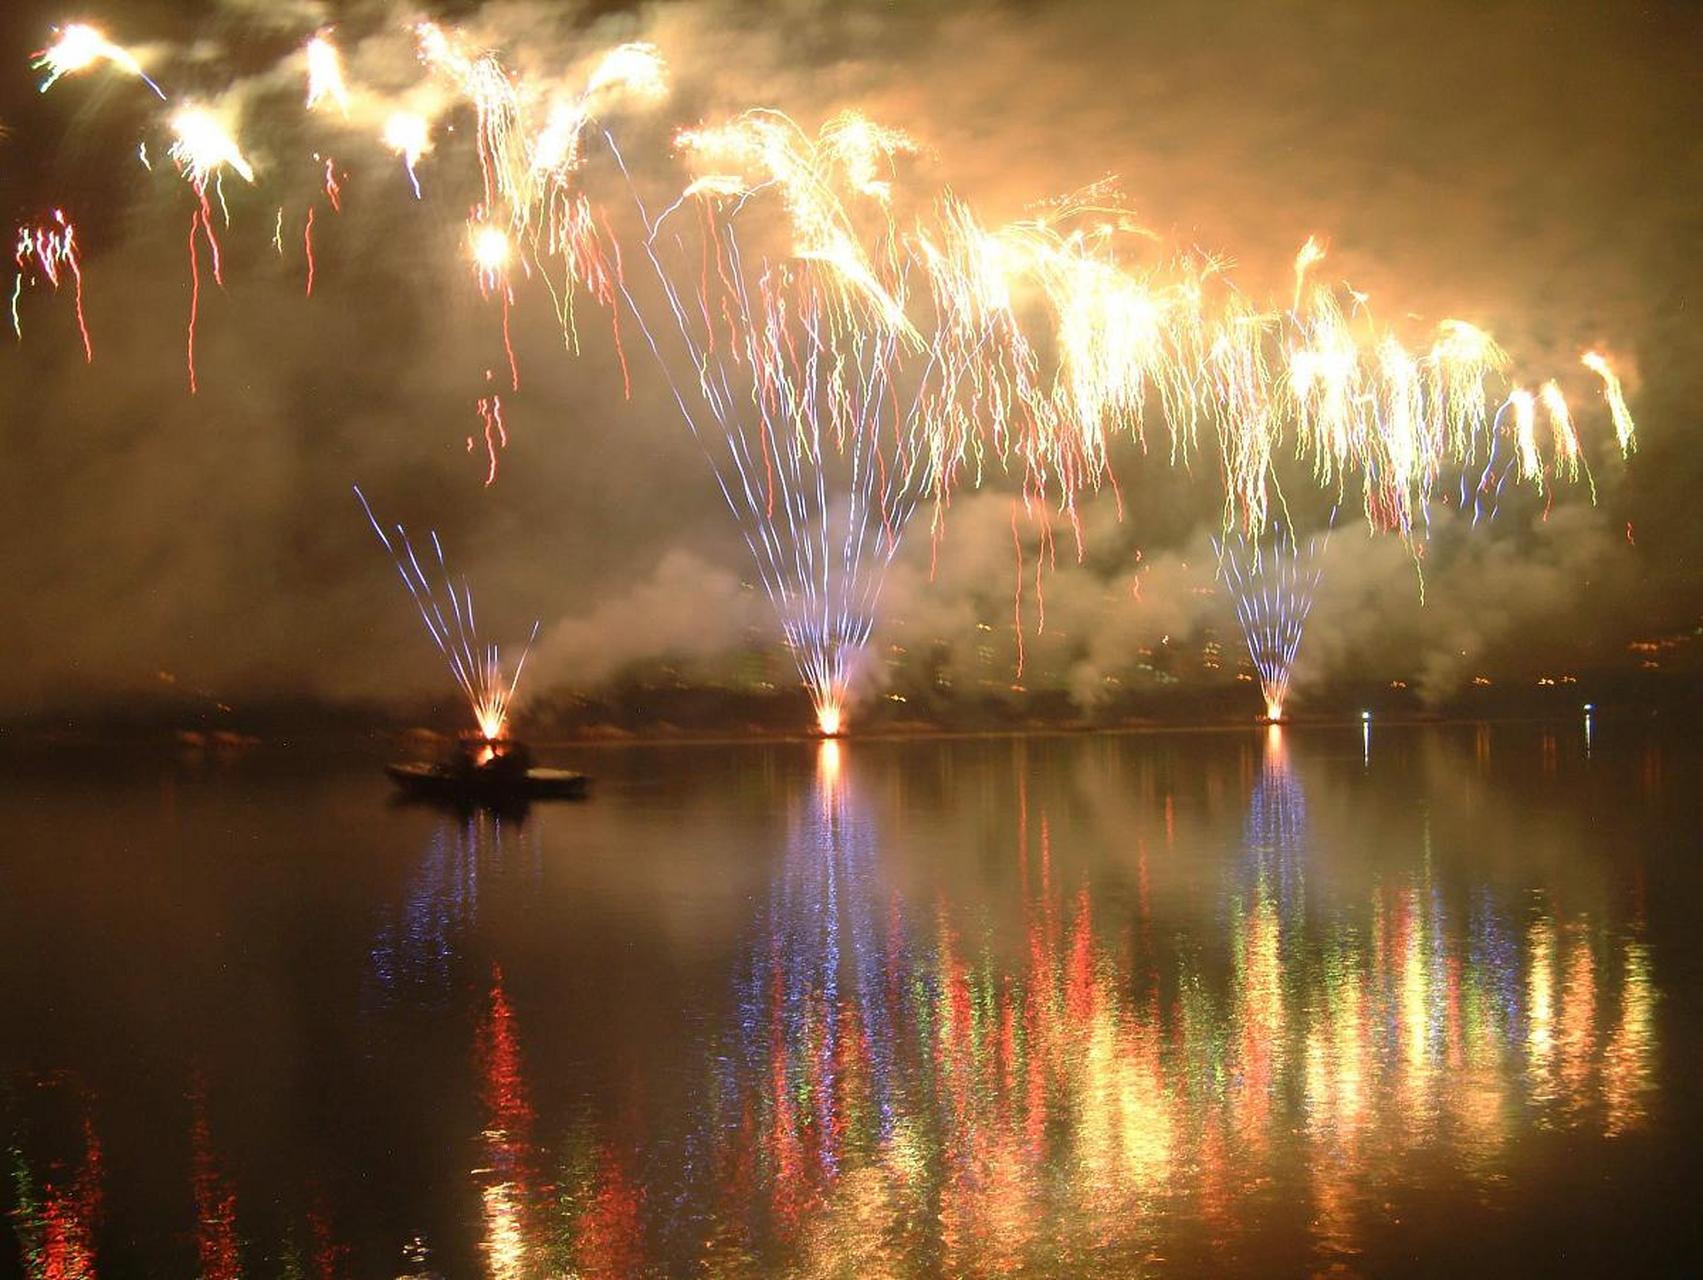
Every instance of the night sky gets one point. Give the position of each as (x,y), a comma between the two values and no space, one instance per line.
(1529,166)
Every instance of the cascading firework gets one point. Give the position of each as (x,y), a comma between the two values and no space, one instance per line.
(477,667)
(1273,580)
(48,249)
(1062,330)
(835,382)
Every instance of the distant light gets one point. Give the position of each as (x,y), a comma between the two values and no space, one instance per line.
(1590,707)
(1365,715)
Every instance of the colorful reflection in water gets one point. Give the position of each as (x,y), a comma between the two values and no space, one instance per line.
(508,1180)
(57,1196)
(905,1097)
(902,1093)
(218,1247)
(1098,1013)
(584,1222)
(416,941)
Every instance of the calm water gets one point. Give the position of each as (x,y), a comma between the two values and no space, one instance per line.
(1159,1004)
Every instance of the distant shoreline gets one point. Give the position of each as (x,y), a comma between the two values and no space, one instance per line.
(419,740)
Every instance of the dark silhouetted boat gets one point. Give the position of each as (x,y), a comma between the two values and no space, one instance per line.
(484,771)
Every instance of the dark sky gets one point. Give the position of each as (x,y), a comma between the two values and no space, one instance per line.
(1530,166)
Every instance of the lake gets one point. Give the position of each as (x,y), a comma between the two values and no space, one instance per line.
(1371,1000)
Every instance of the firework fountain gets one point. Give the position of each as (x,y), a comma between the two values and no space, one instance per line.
(1273,580)
(477,668)
(810,384)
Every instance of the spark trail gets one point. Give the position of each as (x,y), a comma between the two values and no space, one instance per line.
(78,47)
(202,148)
(477,667)
(1273,580)
(807,386)
(49,250)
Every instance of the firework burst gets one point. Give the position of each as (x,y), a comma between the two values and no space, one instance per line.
(77,47)
(325,81)
(202,147)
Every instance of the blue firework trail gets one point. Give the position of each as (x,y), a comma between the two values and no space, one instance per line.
(477,667)
(1273,579)
(807,408)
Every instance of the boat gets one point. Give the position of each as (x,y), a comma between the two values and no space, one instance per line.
(482,770)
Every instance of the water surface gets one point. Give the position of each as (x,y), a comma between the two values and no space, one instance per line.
(1171,1004)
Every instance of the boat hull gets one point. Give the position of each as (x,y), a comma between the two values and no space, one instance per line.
(436,782)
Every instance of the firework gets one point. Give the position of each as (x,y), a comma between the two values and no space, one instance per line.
(804,393)
(1119,334)
(477,667)
(494,432)
(325,74)
(77,48)
(1624,432)
(1127,342)
(1273,580)
(409,136)
(1566,438)
(637,70)
(203,148)
(500,124)
(809,175)
(48,250)
(1058,333)
(837,381)
(804,452)
(1073,328)
(527,167)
